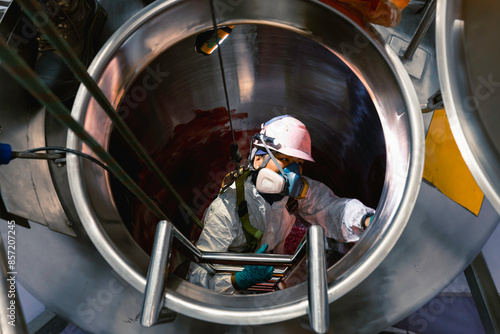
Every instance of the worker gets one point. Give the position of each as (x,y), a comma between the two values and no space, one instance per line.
(255,210)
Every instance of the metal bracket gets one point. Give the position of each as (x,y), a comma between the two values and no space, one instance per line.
(485,294)
(434,102)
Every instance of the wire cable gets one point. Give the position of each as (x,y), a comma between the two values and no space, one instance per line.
(69,150)
(86,156)
(235,154)
(33,10)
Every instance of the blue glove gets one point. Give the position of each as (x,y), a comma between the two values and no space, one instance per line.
(253,274)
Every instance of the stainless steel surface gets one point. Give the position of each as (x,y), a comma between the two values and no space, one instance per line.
(423,67)
(167,49)
(319,314)
(468,58)
(72,61)
(157,273)
(41,180)
(11,314)
(427,20)
(485,294)
(26,186)
(439,240)
(428,256)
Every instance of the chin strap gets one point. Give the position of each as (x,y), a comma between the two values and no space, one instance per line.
(261,137)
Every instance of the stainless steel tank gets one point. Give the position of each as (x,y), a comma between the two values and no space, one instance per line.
(470,81)
(298,57)
(276,60)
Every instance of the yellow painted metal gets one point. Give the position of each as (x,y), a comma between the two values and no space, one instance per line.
(445,167)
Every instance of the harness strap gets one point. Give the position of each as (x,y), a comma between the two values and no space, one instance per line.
(252,234)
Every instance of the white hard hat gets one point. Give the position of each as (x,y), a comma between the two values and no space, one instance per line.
(287,135)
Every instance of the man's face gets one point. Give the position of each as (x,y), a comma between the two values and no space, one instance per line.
(283,159)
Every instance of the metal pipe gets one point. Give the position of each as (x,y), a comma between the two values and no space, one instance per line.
(234,269)
(22,72)
(300,252)
(157,273)
(317,284)
(246,258)
(11,315)
(43,22)
(194,254)
(425,23)
(186,247)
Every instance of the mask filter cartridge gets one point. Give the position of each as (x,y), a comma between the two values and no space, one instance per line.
(294,178)
(269,182)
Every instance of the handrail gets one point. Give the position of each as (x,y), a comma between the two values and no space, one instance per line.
(167,235)
(196,255)
(319,315)
(158,269)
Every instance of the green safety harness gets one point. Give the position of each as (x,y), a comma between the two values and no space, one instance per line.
(252,235)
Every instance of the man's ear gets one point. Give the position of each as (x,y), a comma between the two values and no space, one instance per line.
(257,161)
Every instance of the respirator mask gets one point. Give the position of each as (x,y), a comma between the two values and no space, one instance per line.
(289,180)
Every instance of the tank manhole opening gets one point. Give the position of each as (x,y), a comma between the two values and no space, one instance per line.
(270,71)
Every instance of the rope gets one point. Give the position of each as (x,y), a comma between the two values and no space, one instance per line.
(18,68)
(68,150)
(234,150)
(41,19)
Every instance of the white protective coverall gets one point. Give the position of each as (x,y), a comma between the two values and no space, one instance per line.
(223,232)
